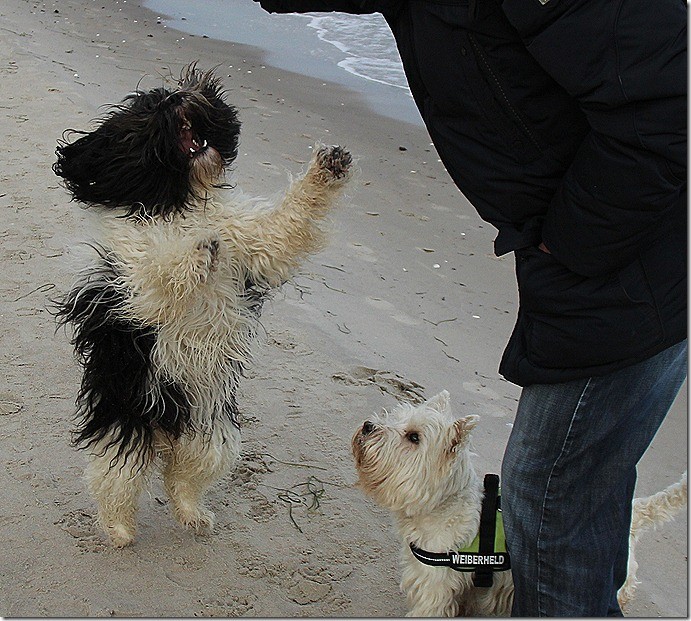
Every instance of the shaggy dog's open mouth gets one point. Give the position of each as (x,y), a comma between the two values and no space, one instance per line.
(190,143)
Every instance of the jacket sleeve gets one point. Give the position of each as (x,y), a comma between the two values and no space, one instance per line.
(318,6)
(625,62)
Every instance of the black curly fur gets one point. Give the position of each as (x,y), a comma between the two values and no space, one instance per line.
(136,157)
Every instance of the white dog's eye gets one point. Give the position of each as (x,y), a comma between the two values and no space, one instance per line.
(413,437)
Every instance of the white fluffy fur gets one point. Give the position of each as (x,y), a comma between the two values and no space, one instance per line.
(435,495)
(185,276)
(650,512)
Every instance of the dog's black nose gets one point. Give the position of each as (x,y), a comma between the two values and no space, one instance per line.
(367,428)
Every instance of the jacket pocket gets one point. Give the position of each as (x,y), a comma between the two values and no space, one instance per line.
(576,322)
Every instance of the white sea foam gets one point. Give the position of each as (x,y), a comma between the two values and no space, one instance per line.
(357,51)
(367,43)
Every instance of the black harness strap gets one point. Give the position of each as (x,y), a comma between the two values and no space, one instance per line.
(488,528)
(432,558)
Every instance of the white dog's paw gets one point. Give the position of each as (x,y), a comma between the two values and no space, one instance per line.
(335,162)
(198,519)
(119,535)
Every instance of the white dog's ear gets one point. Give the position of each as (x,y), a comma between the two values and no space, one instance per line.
(440,402)
(461,430)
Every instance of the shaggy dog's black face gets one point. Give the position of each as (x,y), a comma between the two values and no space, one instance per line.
(155,151)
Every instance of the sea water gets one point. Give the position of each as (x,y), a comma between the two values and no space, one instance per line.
(356,51)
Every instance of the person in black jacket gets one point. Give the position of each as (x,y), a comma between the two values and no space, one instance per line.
(564,124)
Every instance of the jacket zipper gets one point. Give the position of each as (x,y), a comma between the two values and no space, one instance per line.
(506,104)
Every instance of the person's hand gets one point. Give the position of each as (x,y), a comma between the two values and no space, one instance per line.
(544,248)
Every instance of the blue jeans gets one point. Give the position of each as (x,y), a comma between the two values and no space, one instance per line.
(568,479)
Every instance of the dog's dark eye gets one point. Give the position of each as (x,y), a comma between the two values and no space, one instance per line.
(413,437)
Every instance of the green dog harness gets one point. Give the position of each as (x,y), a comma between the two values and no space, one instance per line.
(487,553)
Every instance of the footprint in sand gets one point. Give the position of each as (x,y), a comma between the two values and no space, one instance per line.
(10,403)
(387,381)
(366,254)
(229,606)
(81,524)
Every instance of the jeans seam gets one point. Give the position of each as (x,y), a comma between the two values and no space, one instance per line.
(544,500)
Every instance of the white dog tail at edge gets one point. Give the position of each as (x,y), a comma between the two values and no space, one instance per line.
(659,508)
(650,512)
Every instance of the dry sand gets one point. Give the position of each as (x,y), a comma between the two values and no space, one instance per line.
(406,298)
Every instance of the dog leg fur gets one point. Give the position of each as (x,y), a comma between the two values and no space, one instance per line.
(194,267)
(116,488)
(161,268)
(431,592)
(192,465)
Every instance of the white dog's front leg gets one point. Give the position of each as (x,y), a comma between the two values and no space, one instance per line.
(432,591)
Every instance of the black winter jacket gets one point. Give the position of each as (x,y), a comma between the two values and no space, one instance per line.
(562,121)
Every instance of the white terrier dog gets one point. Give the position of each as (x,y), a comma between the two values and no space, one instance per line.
(416,462)
(165,314)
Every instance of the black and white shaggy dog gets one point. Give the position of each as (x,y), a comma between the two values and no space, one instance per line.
(165,313)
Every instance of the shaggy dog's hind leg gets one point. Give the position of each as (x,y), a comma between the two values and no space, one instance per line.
(192,465)
(116,485)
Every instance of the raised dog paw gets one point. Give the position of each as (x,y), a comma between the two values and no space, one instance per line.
(206,256)
(335,161)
